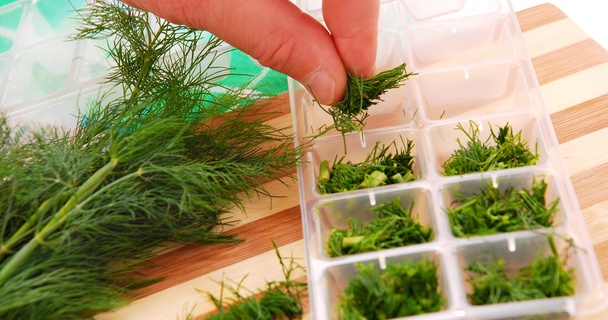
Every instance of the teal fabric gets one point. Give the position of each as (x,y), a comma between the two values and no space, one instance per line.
(10,17)
(55,14)
(266,81)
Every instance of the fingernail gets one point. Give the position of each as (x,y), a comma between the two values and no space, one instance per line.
(321,85)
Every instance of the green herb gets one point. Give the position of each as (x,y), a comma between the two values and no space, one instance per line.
(493,211)
(280,300)
(402,289)
(351,113)
(157,160)
(392,227)
(380,167)
(507,151)
(545,277)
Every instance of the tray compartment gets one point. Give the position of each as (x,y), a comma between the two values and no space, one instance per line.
(464,92)
(335,214)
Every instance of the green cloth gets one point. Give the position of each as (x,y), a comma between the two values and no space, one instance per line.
(268,82)
(10,17)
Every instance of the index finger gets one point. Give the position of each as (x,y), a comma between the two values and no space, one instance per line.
(275,32)
(354,28)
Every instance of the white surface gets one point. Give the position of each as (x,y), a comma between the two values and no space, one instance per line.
(589,15)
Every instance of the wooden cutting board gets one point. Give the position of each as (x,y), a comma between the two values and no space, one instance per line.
(573,73)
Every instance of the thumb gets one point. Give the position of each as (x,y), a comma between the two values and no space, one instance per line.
(275,32)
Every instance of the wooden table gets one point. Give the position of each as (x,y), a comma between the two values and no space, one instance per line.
(573,73)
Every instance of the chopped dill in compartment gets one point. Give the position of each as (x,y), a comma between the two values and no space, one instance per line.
(492,210)
(386,164)
(547,276)
(503,149)
(393,226)
(402,289)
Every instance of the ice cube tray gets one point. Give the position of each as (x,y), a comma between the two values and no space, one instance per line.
(472,68)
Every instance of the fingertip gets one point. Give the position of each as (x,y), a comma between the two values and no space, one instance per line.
(325,87)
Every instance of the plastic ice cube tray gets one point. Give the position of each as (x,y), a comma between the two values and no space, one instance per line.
(472,68)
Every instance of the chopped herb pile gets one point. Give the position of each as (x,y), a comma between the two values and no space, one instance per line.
(508,150)
(546,277)
(280,300)
(350,114)
(494,211)
(402,289)
(381,167)
(392,227)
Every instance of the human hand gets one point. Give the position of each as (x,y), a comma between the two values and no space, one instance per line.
(280,36)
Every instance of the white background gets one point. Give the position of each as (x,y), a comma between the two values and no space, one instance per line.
(589,15)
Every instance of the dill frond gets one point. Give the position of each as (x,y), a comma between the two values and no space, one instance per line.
(351,113)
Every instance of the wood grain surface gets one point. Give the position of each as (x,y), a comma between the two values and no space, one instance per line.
(572,70)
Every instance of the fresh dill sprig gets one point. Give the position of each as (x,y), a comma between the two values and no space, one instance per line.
(546,277)
(351,112)
(380,167)
(402,289)
(280,300)
(495,211)
(155,160)
(392,227)
(507,150)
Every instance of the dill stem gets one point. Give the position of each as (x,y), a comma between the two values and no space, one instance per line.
(57,221)
(349,242)
(25,228)
(145,68)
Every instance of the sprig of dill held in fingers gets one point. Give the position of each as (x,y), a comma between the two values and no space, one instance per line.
(380,167)
(546,277)
(402,289)
(507,150)
(393,226)
(494,211)
(156,160)
(351,113)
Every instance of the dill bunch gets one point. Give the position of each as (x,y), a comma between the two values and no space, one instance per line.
(507,150)
(546,277)
(402,289)
(493,211)
(380,167)
(392,227)
(280,300)
(351,112)
(157,159)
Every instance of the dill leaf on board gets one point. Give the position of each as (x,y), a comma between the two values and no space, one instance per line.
(279,300)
